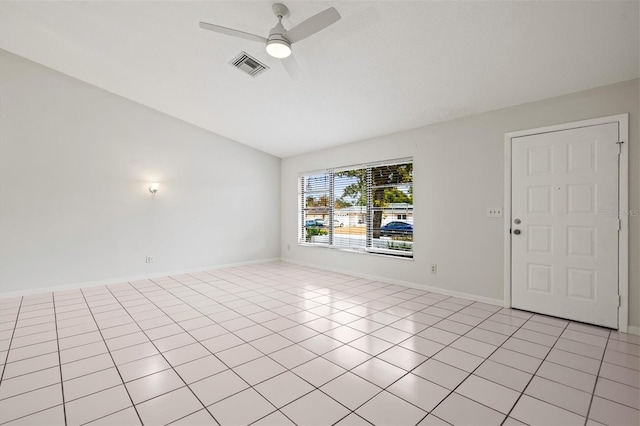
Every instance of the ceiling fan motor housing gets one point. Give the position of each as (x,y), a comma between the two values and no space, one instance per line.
(277,44)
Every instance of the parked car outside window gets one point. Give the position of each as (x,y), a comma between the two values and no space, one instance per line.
(314,223)
(396,228)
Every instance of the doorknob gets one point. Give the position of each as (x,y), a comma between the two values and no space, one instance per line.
(516,231)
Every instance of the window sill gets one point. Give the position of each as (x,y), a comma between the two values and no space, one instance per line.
(349,250)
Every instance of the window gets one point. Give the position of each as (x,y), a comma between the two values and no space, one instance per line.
(367,208)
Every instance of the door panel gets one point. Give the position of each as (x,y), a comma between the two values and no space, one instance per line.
(565,258)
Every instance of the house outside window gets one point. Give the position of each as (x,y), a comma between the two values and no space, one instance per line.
(366,208)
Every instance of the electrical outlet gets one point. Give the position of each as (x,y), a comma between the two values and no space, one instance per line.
(288,246)
(494,212)
(434,269)
(150,259)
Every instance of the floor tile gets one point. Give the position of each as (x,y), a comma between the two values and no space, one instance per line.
(517,360)
(124,341)
(459,410)
(199,418)
(271,343)
(419,346)
(48,417)
(459,359)
(219,386)
(279,324)
(618,392)
(143,367)
(578,362)
(379,372)
(315,408)
(253,332)
(126,417)
(274,419)
(441,373)
(200,369)
(97,405)
(185,354)
(527,348)
(620,374)
(283,389)
(487,336)
(133,353)
(350,390)
(239,355)
(432,420)
(403,358)
(168,407)
(422,346)
(30,365)
(241,409)
(371,345)
(153,385)
(347,357)
(172,342)
(611,413)
(29,382)
(31,351)
(91,383)
(259,370)
(488,393)
(388,409)
(298,333)
(86,366)
(418,391)
(533,411)
(503,375)
(318,371)
(292,356)
(621,359)
(222,342)
(31,402)
(440,336)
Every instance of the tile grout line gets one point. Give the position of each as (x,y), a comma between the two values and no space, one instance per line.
(114,364)
(534,375)
(595,383)
(64,405)
(11,341)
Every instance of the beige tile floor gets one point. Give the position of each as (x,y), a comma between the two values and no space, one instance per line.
(279,344)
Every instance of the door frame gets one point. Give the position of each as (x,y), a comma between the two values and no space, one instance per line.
(623,205)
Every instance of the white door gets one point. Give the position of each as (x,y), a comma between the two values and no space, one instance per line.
(564,237)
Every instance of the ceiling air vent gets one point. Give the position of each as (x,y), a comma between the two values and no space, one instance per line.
(248,64)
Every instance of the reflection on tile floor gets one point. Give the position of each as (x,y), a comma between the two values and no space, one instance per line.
(280,344)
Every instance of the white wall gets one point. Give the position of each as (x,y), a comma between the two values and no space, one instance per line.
(75,166)
(458,174)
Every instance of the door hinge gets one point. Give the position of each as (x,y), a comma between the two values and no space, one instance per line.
(619,224)
(619,301)
(619,147)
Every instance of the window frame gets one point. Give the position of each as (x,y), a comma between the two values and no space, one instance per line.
(369,210)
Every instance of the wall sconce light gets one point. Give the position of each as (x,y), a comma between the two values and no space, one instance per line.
(153,187)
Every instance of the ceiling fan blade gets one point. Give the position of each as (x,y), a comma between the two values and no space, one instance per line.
(232,32)
(291,67)
(312,25)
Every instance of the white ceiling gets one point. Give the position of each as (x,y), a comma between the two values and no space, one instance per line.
(386,66)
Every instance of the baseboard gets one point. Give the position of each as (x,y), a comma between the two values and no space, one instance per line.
(476,298)
(633,330)
(73,286)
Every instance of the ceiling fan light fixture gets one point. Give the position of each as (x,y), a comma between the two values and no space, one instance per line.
(279,48)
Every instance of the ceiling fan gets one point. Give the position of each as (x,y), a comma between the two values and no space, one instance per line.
(279,41)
